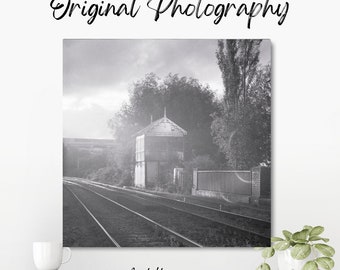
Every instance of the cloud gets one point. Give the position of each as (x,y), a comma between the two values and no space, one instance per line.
(93,64)
(98,73)
(91,122)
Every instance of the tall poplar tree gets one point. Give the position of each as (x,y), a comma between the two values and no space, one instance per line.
(241,128)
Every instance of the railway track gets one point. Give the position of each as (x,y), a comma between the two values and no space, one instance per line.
(114,242)
(123,226)
(252,212)
(248,224)
(213,230)
(196,202)
(226,206)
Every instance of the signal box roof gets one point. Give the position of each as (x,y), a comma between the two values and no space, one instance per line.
(163,127)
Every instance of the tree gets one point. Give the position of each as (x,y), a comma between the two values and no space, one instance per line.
(241,128)
(188,103)
(238,61)
(228,64)
(248,61)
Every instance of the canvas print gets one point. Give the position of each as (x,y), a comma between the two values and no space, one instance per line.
(166,143)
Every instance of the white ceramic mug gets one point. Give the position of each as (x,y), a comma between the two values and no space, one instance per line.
(49,255)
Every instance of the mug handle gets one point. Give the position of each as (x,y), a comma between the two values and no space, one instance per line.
(69,255)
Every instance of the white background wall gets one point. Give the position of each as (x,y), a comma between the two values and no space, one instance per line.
(306,128)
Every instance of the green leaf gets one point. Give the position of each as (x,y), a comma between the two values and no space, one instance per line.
(325,249)
(311,265)
(281,245)
(275,239)
(307,227)
(268,252)
(317,238)
(263,266)
(301,241)
(317,230)
(301,251)
(300,236)
(287,234)
(325,263)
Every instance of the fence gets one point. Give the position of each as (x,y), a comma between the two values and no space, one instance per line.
(235,185)
(236,182)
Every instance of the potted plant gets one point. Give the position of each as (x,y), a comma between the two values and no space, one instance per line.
(302,250)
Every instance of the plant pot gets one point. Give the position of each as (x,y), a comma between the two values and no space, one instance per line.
(286,262)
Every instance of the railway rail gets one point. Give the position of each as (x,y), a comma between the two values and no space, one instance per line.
(248,224)
(114,242)
(217,207)
(190,221)
(148,232)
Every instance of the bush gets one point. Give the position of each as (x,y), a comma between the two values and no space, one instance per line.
(112,175)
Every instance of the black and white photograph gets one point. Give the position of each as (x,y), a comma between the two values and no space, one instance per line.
(167,143)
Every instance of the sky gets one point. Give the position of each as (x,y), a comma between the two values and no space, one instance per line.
(97,75)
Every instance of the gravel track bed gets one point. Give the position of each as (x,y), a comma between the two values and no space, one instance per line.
(79,229)
(255,225)
(246,223)
(263,213)
(206,232)
(128,229)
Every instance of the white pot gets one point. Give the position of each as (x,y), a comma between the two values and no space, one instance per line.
(286,262)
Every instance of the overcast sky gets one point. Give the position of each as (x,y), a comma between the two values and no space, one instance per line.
(99,73)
